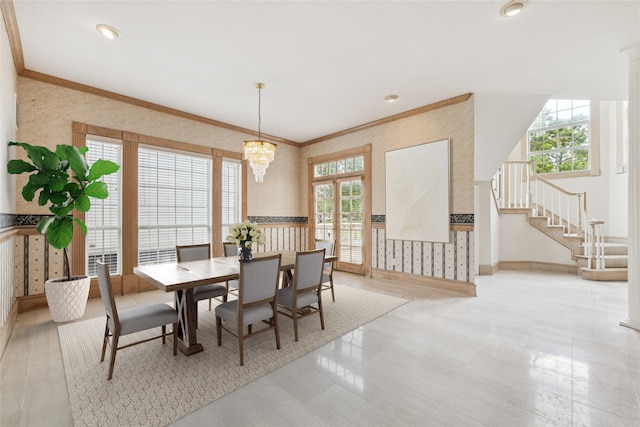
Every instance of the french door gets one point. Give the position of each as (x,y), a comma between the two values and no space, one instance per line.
(339,214)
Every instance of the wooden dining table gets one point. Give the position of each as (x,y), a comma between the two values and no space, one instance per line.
(182,278)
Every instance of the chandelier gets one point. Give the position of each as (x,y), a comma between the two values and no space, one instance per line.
(258,152)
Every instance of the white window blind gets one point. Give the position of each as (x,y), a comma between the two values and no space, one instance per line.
(104,235)
(351,218)
(231,195)
(174,194)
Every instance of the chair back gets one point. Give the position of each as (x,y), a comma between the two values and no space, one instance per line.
(193,252)
(259,280)
(230,249)
(328,246)
(308,270)
(106,293)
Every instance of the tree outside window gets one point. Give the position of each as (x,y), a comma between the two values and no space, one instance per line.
(558,140)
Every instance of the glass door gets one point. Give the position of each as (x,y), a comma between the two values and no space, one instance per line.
(350,241)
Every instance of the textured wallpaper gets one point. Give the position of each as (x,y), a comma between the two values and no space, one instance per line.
(47,112)
(454,123)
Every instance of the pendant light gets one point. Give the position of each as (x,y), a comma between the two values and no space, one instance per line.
(259,153)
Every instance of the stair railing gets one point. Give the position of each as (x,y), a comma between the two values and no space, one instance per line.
(517,186)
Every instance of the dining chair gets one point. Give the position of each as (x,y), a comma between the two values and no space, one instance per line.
(256,302)
(231,249)
(296,301)
(327,270)
(196,253)
(124,322)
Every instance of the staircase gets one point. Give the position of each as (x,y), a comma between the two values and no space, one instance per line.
(562,216)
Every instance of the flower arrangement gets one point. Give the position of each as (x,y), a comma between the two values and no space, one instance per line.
(246,235)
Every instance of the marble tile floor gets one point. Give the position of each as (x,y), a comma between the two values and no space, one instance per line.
(533,348)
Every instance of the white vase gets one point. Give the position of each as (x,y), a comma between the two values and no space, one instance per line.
(67,299)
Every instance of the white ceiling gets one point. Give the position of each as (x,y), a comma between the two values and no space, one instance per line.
(327,65)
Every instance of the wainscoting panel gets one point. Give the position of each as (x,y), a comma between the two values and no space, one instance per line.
(284,237)
(450,261)
(7,278)
(35,262)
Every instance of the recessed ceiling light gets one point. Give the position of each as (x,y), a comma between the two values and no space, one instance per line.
(391,98)
(513,8)
(107,31)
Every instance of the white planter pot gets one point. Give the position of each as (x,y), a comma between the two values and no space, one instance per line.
(67,299)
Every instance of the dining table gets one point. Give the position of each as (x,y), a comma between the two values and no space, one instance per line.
(183,277)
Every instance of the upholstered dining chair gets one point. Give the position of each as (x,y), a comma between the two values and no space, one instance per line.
(296,301)
(327,271)
(231,249)
(196,253)
(131,320)
(256,302)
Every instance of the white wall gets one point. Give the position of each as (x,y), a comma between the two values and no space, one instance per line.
(499,122)
(8,78)
(618,224)
(519,241)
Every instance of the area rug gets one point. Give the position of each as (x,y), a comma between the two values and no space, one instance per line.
(152,387)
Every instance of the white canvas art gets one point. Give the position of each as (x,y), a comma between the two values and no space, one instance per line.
(417,192)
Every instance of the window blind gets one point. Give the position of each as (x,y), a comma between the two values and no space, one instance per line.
(174,194)
(104,236)
(231,195)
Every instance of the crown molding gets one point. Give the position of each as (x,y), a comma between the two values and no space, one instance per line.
(430,107)
(10,21)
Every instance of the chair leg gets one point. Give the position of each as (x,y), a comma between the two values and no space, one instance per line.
(240,348)
(333,295)
(105,341)
(294,313)
(209,304)
(219,330)
(320,308)
(164,334)
(112,360)
(276,327)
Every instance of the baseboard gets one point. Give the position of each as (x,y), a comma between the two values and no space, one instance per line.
(32,302)
(465,288)
(488,270)
(7,327)
(538,266)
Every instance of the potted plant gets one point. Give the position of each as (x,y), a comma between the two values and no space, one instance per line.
(65,181)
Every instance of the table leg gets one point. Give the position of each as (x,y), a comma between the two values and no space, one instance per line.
(186,308)
(287,278)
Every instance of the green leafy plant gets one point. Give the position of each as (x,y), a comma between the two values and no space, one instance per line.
(66,181)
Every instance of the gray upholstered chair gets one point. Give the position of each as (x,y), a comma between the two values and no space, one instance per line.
(196,253)
(132,320)
(231,249)
(256,303)
(296,301)
(327,271)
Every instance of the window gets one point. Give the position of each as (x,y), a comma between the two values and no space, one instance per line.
(104,236)
(341,166)
(324,211)
(559,139)
(174,193)
(231,194)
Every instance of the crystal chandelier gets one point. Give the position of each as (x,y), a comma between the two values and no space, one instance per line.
(258,152)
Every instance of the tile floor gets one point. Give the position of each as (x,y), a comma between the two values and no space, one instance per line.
(532,349)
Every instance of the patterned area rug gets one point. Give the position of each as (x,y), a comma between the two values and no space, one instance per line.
(152,387)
